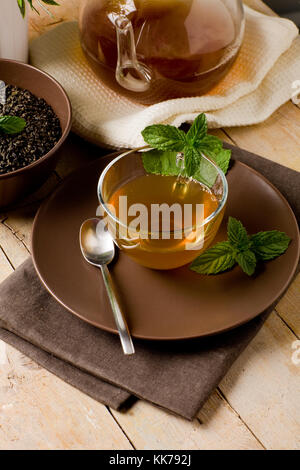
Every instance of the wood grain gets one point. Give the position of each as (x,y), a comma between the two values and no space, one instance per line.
(276,139)
(289,307)
(218,427)
(39,411)
(263,387)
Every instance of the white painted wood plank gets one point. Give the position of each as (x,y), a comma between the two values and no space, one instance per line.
(13,248)
(289,307)
(38,411)
(5,268)
(276,139)
(149,427)
(263,386)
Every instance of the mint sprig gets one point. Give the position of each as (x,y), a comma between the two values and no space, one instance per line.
(12,124)
(193,144)
(241,249)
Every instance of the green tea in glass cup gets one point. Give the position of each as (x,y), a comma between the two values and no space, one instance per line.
(161,222)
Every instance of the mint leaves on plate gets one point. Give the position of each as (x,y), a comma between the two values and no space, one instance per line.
(167,141)
(12,124)
(241,249)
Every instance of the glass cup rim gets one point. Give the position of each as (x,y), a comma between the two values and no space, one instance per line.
(208,219)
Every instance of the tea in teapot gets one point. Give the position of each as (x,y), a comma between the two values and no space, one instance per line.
(153,50)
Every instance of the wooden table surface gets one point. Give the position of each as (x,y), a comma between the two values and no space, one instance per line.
(256,406)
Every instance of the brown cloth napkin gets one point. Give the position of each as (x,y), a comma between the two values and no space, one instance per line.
(178,376)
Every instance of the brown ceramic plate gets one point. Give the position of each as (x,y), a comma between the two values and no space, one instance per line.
(162,305)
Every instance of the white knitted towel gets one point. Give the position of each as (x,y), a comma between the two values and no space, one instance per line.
(259,82)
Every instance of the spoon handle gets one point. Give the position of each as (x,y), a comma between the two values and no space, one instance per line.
(121,324)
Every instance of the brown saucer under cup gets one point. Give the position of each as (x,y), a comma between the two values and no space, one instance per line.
(162,305)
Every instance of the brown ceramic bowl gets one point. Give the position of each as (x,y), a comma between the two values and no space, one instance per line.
(19,183)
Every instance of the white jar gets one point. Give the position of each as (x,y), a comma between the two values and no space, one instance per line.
(13,31)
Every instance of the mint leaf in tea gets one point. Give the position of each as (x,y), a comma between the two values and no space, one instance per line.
(173,205)
(164,137)
(193,145)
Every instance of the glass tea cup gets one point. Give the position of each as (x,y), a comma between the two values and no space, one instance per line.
(161,222)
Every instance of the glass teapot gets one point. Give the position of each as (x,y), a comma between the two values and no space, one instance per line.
(153,50)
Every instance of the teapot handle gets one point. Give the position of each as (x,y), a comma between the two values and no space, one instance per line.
(130,73)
